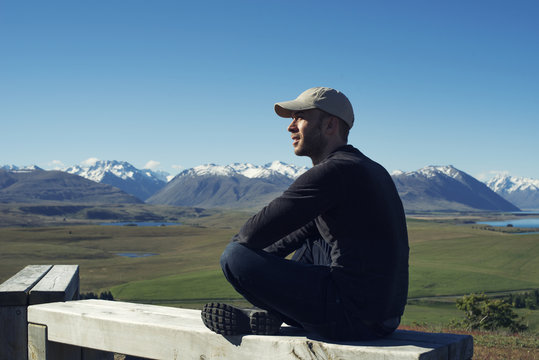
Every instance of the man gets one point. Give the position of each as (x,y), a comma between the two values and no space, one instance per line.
(348,277)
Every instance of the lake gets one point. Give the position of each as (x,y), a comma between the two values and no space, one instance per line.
(523,223)
(135,255)
(135,223)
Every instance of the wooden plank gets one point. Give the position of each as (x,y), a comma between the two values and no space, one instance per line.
(458,346)
(59,351)
(37,342)
(40,348)
(168,333)
(13,305)
(13,333)
(91,354)
(61,283)
(14,291)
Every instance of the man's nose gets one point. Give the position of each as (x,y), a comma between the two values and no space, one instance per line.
(292,127)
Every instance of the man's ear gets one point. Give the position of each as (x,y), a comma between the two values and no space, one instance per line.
(332,125)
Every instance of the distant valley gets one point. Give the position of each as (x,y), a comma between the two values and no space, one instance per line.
(247,186)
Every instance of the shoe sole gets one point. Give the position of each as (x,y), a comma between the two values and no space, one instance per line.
(263,323)
(227,319)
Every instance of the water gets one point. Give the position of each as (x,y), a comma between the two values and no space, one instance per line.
(522,223)
(135,255)
(134,223)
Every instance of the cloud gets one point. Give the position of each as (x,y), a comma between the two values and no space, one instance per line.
(56,165)
(491,174)
(152,165)
(90,161)
(177,167)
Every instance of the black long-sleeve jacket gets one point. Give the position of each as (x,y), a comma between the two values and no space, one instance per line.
(351,202)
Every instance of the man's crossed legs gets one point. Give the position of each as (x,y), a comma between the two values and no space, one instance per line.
(299,292)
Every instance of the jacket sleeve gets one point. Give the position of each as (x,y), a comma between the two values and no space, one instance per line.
(310,195)
(293,241)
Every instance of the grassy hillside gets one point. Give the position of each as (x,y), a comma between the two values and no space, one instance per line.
(192,247)
(447,258)
(66,214)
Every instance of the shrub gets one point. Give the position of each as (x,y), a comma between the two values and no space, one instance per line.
(488,314)
(105,295)
(528,300)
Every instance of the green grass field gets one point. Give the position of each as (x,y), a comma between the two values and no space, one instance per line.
(447,259)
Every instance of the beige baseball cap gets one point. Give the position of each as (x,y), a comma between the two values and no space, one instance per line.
(329,100)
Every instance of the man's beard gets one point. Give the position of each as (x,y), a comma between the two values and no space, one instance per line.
(311,145)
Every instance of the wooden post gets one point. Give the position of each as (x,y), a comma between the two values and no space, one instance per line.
(13,332)
(13,311)
(35,284)
(61,283)
(37,342)
(39,348)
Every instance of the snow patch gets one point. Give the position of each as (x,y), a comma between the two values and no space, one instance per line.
(270,171)
(97,170)
(15,168)
(432,171)
(504,183)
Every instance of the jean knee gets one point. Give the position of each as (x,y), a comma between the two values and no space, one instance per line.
(231,257)
(242,264)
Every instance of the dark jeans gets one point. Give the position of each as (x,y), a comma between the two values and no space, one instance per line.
(300,290)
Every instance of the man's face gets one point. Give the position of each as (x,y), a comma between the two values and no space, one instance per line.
(307,136)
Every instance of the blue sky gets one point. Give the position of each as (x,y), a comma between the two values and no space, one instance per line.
(181,84)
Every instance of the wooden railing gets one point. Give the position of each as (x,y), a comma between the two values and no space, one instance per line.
(96,329)
(35,284)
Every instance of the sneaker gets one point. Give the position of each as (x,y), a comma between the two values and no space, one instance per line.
(227,319)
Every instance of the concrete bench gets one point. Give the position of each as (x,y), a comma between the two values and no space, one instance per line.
(59,330)
(35,284)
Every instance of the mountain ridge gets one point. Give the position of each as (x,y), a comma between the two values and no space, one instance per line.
(38,186)
(237,185)
(523,192)
(121,174)
(442,188)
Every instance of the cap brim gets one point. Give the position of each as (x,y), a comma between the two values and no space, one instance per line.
(287,108)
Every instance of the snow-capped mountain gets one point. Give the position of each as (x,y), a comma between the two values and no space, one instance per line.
(208,170)
(448,170)
(291,171)
(258,181)
(121,174)
(523,192)
(443,188)
(510,184)
(236,185)
(432,188)
(270,170)
(244,185)
(14,168)
(98,170)
(276,169)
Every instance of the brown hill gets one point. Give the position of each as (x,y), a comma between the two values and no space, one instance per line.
(35,186)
